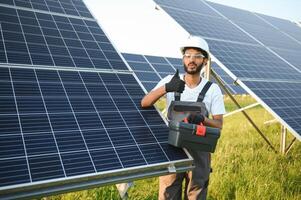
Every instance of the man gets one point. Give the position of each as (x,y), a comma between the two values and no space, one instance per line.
(195,55)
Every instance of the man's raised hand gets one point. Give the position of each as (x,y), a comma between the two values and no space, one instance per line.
(175,84)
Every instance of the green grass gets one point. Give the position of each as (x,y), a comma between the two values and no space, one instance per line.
(244,167)
(244,100)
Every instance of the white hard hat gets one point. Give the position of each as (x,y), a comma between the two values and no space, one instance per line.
(196,42)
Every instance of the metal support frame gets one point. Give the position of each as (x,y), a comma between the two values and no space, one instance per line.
(32,191)
(242,110)
(283,139)
(283,136)
(288,148)
(270,121)
(207,69)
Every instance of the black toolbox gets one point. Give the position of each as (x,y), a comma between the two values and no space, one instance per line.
(186,135)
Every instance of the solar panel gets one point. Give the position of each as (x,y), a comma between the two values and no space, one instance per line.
(236,14)
(151,69)
(282,97)
(143,70)
(213,27)
(252,61)
(68,7)
(293,56)
(195,6)
(70,115)
(270,37)
(270,56)
(78,123)
(264,28)
(286,26)
(227,80)
(177,63)
(35,38)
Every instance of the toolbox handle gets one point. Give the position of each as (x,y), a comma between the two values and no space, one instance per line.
(186,108)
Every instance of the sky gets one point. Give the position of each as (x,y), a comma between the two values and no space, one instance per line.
(135,26)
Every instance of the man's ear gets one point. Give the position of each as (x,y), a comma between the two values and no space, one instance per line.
(205,61)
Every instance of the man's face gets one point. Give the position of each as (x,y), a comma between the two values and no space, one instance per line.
(193,61)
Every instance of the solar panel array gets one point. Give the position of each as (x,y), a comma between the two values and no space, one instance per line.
(70,115)
(151,69)
(254,48)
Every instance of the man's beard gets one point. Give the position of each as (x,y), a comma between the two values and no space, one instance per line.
(197,69)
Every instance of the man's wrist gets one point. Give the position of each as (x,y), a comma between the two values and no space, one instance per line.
(205,119)
(164,89)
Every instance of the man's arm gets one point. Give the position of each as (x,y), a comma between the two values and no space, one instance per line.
(174,85)
(217,107)
(216,121)
(153,96)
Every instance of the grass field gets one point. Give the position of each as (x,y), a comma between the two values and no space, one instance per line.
(244,167)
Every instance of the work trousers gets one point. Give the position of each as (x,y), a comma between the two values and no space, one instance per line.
(196,180)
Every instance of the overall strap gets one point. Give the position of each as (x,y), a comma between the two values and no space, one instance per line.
(203,92)
(177,96)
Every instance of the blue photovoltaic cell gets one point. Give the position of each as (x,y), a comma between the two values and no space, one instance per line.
(161,65)
(212,27)
(143,69)
(278,41)
(270,36)
(57,121)
(38,163)
(261,30)
(68,7)
(134,57)
(149,69)
(177,63)
(252,61)
(149,85)
(35,38)
(275,58)
(271,31)
(238,15)
(283,98)
(141,66)
(146,76)
(156,59)
(105,159)
(290,55)
(14,171)
(286,26)
(227,80)
(195,6)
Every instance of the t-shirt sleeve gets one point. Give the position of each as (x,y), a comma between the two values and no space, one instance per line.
(163,81)
(217,103)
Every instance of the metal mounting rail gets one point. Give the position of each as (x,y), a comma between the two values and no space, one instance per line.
(283,148)
(243,112)
(241,109)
